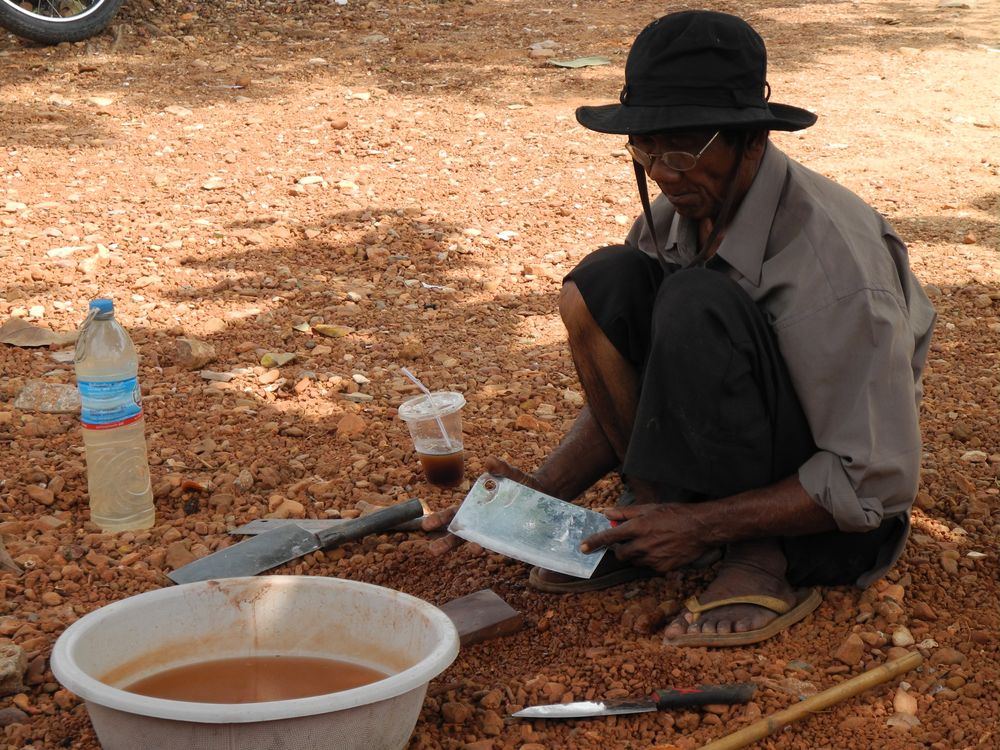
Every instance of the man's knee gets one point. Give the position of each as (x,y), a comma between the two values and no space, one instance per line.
(690,299)
(571,303)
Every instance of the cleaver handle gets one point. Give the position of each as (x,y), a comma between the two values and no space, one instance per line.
(381,520)
(739,692)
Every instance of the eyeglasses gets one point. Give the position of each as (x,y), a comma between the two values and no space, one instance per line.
(679,161)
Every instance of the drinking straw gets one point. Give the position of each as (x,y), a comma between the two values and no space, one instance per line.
(430,397)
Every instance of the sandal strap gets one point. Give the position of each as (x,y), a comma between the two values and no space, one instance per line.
(772,603)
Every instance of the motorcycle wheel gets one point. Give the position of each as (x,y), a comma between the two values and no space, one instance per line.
(55,21)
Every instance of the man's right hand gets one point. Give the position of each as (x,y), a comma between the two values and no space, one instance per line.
(438,521)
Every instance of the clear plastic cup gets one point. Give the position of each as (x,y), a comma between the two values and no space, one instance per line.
(435,424)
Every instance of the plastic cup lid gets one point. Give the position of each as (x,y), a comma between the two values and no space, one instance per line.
(423,407)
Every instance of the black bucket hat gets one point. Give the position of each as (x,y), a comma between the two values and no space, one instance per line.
(695,69)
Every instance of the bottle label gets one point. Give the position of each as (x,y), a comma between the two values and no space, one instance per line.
(105,405)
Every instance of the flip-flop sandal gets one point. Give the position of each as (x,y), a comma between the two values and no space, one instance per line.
(595,583)
(806,600)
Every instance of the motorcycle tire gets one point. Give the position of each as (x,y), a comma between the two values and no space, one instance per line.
(55,21)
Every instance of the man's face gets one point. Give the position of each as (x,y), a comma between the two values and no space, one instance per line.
(697,193)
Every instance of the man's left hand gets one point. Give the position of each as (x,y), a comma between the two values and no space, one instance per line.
(661,537)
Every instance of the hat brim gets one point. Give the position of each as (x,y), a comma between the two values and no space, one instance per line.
(634,120)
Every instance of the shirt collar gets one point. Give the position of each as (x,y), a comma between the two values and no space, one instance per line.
(683,239)
(745,241)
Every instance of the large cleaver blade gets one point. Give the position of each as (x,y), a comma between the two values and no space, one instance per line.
(285,543)
(514,520)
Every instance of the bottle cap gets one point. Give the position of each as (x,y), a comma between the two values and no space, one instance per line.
(103,305)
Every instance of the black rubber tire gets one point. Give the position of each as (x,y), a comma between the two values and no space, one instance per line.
(52,31)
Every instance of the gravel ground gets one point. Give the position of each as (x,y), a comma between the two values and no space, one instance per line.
(410,174)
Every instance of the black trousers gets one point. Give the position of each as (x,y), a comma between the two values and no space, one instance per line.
(717,413)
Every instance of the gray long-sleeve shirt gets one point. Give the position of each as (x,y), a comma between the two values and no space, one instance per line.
(852,323)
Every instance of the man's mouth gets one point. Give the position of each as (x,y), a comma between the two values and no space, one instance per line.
(681,198)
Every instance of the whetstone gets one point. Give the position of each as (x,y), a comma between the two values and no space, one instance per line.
(482,616)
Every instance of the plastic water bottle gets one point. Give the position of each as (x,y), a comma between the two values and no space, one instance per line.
(107,366)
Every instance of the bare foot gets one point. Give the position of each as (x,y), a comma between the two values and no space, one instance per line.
(749,568)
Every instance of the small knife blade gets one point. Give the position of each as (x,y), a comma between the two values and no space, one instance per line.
(739,692)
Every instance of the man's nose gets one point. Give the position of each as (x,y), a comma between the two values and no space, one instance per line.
(660,172)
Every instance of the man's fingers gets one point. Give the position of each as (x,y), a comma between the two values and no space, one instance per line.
(499,468)
(605,539)
(627,512)
(439,520)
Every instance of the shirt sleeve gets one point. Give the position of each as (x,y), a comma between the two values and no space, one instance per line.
(850,362)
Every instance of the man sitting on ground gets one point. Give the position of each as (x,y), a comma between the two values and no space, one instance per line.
(751,356)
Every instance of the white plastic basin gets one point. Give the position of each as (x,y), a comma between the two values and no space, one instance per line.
(401,635)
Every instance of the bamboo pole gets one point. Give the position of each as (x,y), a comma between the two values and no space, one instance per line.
(829,697)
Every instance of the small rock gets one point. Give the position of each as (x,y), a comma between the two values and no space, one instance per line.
(904,703)
(456,713)
(178,111)
(553,692)
(49,398)
(975,457)
(13,664)
(289,509)
(270,376)
(895,592)
(901,636)
(244,481)
(178,555)
(896,652)
(851,650)
(491,700)
(12,715)
(902,722)
(221,377)
(350,425)
(193,354)
(359,398)
(492,724)
(40,494)
(948,656)
(527,422)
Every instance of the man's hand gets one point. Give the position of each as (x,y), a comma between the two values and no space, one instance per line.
(437,522)
(661,537)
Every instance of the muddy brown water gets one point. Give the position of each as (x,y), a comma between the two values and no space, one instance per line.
(255,679)
(443,470)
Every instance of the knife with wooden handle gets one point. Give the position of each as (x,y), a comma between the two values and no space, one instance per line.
(739,692)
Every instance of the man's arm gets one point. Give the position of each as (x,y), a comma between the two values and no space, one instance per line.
(667,536)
